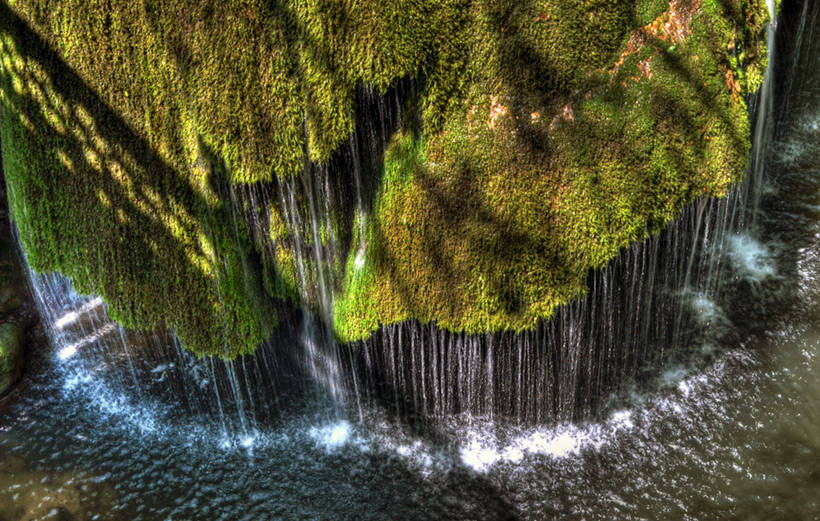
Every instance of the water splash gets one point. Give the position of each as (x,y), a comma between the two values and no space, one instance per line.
(751,258)
(332,436)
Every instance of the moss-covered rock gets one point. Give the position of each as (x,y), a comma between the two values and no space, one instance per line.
(11,355)
(133,207)
(582,127)
(539,137)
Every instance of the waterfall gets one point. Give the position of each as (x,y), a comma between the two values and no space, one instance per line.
(763,125)
(312,228)
(647,310)
(119,366)
(653,308)
(657,305)
(314,206)
(118,369)
(683,383)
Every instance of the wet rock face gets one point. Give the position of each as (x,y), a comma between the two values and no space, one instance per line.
(10,297)
(11,354)
(12,281)
(16,307)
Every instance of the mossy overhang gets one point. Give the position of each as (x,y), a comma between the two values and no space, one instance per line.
(542,137)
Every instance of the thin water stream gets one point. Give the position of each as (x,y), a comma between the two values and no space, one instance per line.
(697,402)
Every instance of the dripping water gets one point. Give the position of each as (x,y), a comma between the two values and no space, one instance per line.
(658,306)
(568,368)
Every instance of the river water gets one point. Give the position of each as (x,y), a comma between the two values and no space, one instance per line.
(732,431)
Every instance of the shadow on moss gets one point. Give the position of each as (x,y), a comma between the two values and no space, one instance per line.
(548,167)
(95,201)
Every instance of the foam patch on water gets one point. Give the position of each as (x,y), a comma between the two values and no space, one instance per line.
(810,124)
(673,376)
(139,417)
(800,142)
(483,451)
(109,404)
(492,447)
(332,436)
(481,445)
(706,311)
(751,258)
(789,151)
(75,380)
(478,456)
(152,419)
(247,442)
(421,455)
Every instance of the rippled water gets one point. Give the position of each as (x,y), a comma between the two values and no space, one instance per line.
(734,435)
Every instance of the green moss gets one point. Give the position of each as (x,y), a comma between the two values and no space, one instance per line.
(648,10)
(121,212)
(573,140)
(541,137)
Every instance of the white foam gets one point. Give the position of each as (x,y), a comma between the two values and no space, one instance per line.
(75,380)
(558,445)
(417,454)
(685,387)
(483,451)
(622,420)
(673,376)
(707,312)
(750,257)
(478,456)
(332,436)
(247,442)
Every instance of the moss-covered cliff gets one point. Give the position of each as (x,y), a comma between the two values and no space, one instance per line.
(537,138)
(581,127)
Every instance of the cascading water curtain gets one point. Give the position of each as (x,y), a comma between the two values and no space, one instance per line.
(655,305)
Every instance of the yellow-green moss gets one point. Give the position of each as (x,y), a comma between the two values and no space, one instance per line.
(578,134)
(117,208)
(541,137)
(263,83)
